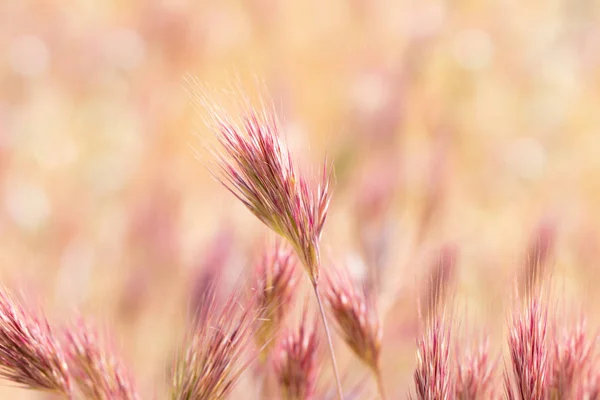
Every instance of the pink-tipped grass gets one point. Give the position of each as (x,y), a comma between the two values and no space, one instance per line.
(433,373)
(275,288)
(529,374)
(98,371)
(474,373)
(530,353)
(441,275)
(215,352)
(296,362)
(30,354)
(254,164)
(538,257)
(572,361)
(355,311)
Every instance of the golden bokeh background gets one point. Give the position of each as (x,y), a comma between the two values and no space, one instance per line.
(475,123)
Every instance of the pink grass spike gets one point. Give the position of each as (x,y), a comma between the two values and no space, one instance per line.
(530,352)
(573,361)
(215,352)
(256,167)
(475,373)
(433,375)
(30,354)
(95,366)
(296,362)
(254,164)
(275,286)
(354,309)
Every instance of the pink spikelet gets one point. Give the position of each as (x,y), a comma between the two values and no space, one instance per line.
(215,352)
(97,370)
(433,374)
(588,387)
(438,287)
(433,380)
(254,164)
(355,312)
(475,374)
(30,354)
(275,285)
(530,351)
(538,256)
(572,362)
(256,167)
(296,363)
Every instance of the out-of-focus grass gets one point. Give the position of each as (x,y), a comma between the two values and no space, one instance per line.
(479,117)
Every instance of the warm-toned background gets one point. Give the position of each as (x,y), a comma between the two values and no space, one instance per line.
(474,123)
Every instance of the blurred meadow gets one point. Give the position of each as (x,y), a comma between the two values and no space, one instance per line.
(467,126)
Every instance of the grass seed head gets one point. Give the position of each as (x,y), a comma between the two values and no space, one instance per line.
(254,164)
(355,312)
(30,354)
(474,373)
(530,353)
(215,352)
(97,370)
(572,361)
(433,380)
(296,362)
(275,285)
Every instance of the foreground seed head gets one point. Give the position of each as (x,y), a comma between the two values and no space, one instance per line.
(530,353)
(254,164)
(433,376)
(30,354)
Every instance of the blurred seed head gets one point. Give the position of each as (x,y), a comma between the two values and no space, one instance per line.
(30,354)
(275,286)
(95,366)
(372,225)
(530,353)
(296,362)
(441,276)
(538,255)
(474,373)
(433,379)
(254,164)
(215,352)
(355,312)
(589,386)
(572,361)
(211,264)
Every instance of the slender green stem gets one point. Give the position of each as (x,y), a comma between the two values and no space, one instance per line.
(329,342)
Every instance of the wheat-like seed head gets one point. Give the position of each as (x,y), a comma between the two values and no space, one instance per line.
(355,312)
(474,373)
(275,286)
(95,366)
(433,374)
(254,164)
(30,354)
(215,351)
(529,353)
(296,362)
